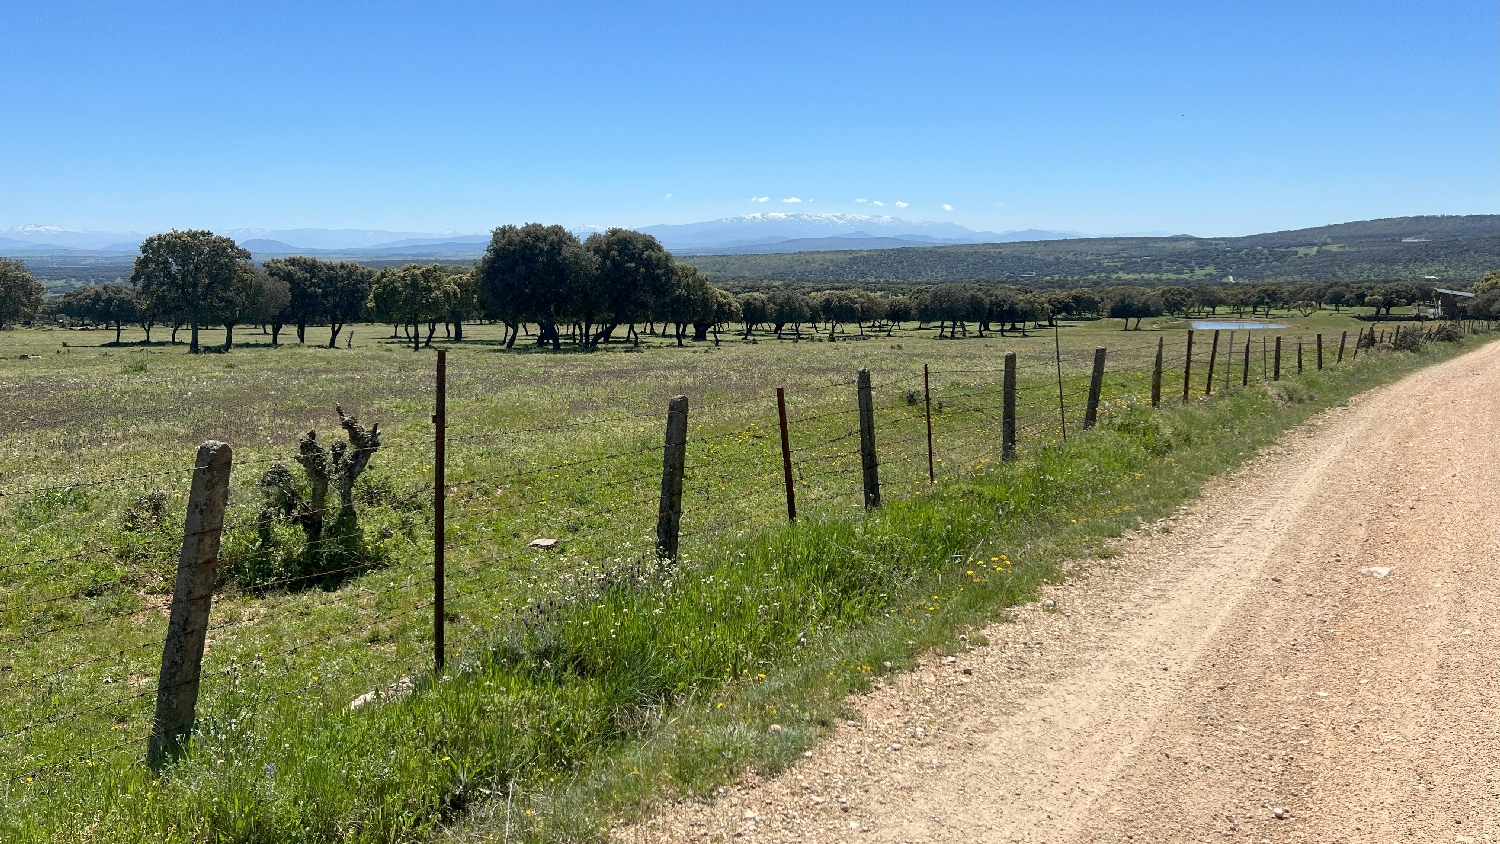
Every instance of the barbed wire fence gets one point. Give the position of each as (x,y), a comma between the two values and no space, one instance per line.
(101,665)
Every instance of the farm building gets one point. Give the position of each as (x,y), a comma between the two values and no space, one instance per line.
(1449,302)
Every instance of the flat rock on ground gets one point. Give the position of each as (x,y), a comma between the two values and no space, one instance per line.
(1309,652)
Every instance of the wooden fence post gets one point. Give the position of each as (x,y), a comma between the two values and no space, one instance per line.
(1299,355)
(1359,338)
(1008,410)
(1276,361)
(1156,374)
(1245,370)
(927,398)
(192,595)
(1187,368)
(439,512)
(786,457)
(1213,356)
(1096,386)
(673,465)
(867,458)
(1343,338)
(1320,353)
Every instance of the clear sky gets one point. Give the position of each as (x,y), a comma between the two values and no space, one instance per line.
(1214,118)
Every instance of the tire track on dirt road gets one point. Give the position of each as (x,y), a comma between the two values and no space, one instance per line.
(1306,653)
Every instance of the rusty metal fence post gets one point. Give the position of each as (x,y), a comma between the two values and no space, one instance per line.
(439,511)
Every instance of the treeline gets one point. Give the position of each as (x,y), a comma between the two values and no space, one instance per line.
(611,286)
(1340,254)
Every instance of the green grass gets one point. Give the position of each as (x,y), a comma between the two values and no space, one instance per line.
(589,676)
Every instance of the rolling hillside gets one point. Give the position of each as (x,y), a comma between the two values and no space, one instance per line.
(1455,249)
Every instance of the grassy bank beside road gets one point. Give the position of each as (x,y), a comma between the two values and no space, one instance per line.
(591,684)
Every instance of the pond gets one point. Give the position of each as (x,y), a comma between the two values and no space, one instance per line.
(1233,325)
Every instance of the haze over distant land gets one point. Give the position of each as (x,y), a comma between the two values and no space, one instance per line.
(833,249)
(761,232)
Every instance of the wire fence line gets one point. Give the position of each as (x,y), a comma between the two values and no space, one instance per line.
(81,631)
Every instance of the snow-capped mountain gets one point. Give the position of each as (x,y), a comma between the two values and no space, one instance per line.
(770,228)
(54,237)
(354,238)
(755,233)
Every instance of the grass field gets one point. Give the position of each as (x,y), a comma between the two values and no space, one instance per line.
(564,664)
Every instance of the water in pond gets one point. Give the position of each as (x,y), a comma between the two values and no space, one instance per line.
(1233,325)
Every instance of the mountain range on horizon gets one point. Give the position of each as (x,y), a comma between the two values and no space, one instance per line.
(1456,248)
(747,234)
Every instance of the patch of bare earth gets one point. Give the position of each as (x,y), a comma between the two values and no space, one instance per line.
(1310,652)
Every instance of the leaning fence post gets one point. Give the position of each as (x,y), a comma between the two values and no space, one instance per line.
(1213,356)
(192,595)
(927,398)
(1245,371)
(1320,353)
(1156,374)
(1096,385)
(867,441)
(1008,410)
(1343,338)
(1187,368)
(1276,361)
(1360,338)
(673,464)
(786,458)
(1299,355)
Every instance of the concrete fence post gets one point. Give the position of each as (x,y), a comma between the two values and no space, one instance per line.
(1096,386)
(192,595)
(673,468)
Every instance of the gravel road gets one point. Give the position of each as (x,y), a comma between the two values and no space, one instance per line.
(1309,652)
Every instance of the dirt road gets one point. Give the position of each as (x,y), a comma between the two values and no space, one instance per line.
(1310,652)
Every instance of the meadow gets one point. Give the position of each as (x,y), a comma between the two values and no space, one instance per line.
(578,672)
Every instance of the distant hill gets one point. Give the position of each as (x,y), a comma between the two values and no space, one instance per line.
(780,232)
(1456,249)
(272,247)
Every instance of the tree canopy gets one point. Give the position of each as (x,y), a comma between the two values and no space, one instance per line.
(20,293)
(195,273)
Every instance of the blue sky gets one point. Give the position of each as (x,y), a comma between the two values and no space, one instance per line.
(1211,118)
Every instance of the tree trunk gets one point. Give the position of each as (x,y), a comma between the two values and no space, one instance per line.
(700,331)
(547,331)
(458,331)
(431,330)
(193,347)
(301,331)
(333,334)
(275,334)
(119,326)
(414,333)
(228,336)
